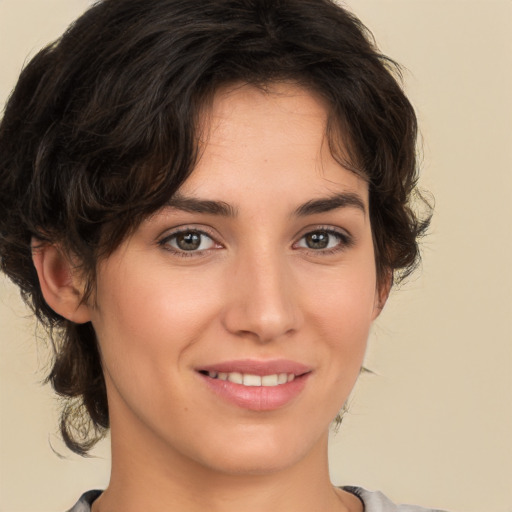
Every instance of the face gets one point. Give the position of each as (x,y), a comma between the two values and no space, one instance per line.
(233,323)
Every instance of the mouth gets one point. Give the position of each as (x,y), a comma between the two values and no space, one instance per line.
(250,379)
(256,385)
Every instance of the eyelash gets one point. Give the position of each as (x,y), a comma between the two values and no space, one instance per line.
(183,253)
(344,242)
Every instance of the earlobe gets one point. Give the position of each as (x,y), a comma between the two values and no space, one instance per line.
(382,294)
(59,284)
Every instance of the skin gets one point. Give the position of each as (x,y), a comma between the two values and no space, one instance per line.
(255,289)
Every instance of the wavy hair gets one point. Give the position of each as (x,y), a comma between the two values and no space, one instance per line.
(101,130)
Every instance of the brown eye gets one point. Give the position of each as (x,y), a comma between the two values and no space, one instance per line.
(324,240)
(317,240)
(189,241)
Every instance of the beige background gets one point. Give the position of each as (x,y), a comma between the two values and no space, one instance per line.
(434,425)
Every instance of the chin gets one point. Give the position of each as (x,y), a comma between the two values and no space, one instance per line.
(257,464)
(262,452)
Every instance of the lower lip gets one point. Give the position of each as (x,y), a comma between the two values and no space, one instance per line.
(257,398)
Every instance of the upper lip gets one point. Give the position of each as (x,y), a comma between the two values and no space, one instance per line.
(258,367)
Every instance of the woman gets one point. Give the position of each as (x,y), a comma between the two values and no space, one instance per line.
(207,204)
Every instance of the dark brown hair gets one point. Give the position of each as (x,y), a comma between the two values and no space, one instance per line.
(100,132)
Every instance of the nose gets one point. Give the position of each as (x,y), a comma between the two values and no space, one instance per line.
(263,300)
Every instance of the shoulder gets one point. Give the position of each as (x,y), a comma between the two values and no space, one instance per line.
(375,501)
(85,502)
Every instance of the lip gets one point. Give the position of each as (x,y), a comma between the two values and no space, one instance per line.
(257,398)
(258,367)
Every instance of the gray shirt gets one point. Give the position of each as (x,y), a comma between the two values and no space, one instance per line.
(374,501)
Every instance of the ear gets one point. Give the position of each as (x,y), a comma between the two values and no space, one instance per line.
(59,283)
(382,294)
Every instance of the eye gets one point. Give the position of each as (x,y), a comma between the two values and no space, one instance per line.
(324,240)
(189,240)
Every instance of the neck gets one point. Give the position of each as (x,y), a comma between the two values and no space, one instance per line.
(154,478)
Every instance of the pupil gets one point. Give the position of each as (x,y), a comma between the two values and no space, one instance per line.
(189,241)
(318,240)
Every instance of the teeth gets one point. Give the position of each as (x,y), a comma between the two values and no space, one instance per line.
(236,378)
(248,379)
(251,380)
(269,380)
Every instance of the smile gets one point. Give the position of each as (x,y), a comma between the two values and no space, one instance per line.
(248,379)
(256,385)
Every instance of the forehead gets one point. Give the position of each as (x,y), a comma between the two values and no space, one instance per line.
(272,140)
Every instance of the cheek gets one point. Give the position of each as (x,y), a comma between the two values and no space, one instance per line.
(341,313)
(147,314)
(343,298)
(341,305)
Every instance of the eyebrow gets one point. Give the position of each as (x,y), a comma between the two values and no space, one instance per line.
(327,204)
(223,209)
(195,205)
